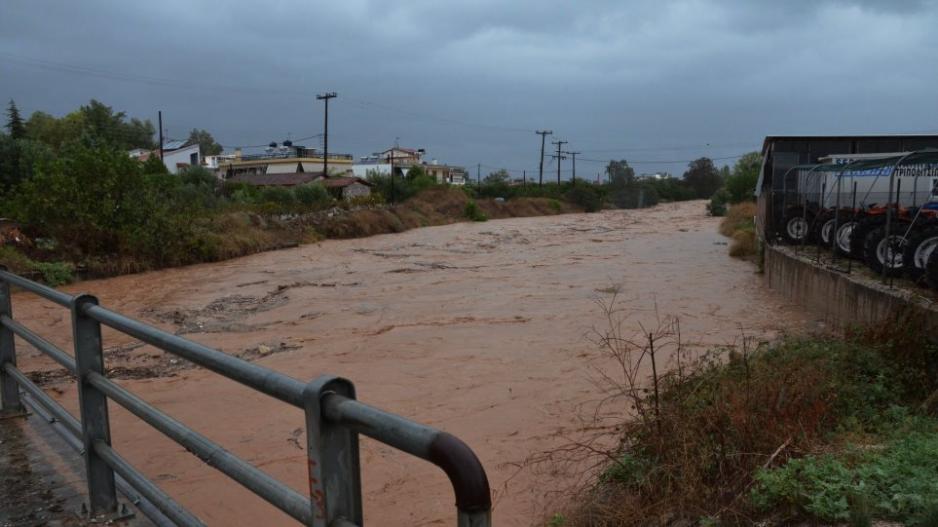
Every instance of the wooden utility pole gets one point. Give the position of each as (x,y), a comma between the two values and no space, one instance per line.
(325,137)
(559,157)
(160,119)
(573,158)
(543,134)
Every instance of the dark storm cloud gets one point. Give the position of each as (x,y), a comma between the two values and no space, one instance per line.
(465,79)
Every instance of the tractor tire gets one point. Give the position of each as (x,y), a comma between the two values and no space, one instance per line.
(823,225)
(843,236)
(796,227)
(923,242)
(859,233)
(931,270)
(881,254)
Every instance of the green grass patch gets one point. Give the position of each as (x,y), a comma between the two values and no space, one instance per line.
(897,481)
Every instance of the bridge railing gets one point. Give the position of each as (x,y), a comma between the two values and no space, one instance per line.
(334,420)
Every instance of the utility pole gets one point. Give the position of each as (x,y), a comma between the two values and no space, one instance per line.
(391,162)
(160,118)
(325,136)
(524,178)
(559,156)
(573,157)
(479,176)
(543,134)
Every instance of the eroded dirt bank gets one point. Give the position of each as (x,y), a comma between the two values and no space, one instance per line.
(476,328)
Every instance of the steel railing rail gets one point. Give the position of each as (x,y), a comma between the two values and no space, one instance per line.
(334,418)
(443,450)
(152,501)
(39,343)
(252,478)
(270,382)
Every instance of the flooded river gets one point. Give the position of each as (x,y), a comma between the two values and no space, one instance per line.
(480,329)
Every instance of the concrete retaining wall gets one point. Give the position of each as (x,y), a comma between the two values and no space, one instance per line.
(841,299)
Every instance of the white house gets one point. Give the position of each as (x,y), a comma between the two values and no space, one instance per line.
(176,156)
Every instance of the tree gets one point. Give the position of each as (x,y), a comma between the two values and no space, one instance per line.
(620,174)
(105,127)
(154,165)
(499,177)
(741,185)
(703,178)
(54,132)
(19,159)
(207,144)
(14,122)
(416,172)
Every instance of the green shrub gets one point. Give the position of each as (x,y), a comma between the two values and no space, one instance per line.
(312,194)
(585,197)
(14,260)
(717,205)
(55,273)
(277,195)
(474,213)
(154,165)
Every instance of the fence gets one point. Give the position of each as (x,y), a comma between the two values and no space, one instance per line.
(334,418)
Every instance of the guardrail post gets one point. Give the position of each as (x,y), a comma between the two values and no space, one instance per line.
(334,472)
(10,403)
(102,497)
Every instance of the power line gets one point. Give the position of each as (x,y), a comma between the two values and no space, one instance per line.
(663,162)
(672,148)
(181,84)
(445,120)
(131,77)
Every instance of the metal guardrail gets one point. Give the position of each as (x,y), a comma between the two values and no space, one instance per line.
(334,419)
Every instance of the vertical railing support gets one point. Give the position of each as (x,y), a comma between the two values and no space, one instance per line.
(332,454)
(102,497)
(10,403)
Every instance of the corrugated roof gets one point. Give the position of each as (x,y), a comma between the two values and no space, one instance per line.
(173,145)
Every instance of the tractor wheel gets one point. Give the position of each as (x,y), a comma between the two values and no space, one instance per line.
(881,253)
(931,270)
(796,227)
(843,236)
(823,226)
(858,233)
(923,242)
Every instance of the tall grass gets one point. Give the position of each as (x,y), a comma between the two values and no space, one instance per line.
(739,225)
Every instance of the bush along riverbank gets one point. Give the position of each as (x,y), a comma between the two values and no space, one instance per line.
(739,225)
(807,430)
(151,221)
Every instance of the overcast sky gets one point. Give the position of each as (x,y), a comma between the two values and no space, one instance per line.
(653,82)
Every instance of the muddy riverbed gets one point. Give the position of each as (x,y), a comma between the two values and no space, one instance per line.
(481,329)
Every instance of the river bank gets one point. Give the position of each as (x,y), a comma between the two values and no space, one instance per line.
(480,329)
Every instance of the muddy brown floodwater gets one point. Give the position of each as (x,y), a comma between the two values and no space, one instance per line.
(479,329)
